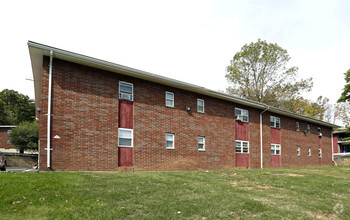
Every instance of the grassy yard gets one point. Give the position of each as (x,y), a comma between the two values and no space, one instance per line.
(298,193)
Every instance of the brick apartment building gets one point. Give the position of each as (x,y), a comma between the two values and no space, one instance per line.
(104,116)
(5,142)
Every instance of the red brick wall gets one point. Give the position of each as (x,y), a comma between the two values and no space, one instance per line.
(85,116)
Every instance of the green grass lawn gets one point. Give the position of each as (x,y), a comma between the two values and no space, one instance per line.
(298,193)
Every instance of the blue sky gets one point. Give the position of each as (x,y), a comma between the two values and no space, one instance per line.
(192,41)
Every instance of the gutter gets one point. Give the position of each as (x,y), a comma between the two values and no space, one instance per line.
(261,139)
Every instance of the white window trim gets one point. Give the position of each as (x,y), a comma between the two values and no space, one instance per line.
(198,106)
(275,122)
(132,89)
(297,126)
(309,152)
(132,136)
(275,149)
(172,106)
(241,109)
(201,143)
(173,147)
(308,128)
(241,147)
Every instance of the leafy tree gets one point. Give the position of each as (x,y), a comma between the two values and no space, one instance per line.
(345,96)
(259,72)
(343,112)
(2,111)
(17,107)
(25,136)
(308,108)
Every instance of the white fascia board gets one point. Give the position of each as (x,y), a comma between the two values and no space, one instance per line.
(41,50)
(8,126)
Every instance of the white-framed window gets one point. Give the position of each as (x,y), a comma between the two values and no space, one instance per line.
(242,147)
(126,91)
(319,132)
(8,141)
(169,99)
(320,153)
(201,143)
(170,141)
(297,126)
(9,131)
(241,114)
(200,105)
(275,122)
(125,137)
(275,149)
(308,128)
(298,150)
(309,152)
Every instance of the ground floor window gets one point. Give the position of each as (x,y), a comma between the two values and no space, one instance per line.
(125,137)
(275,149)
(170,141)
(242,147)
(201,143)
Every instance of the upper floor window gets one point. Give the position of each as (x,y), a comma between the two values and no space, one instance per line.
(309,152)
(320,153)
(241,115)
(8,141)
(297,126)
(126,91)
(242,147)
(9,131)
(169,99)
(201,143)
(275,122)
(319,131)
(200,105)
(308,129)
(275,149)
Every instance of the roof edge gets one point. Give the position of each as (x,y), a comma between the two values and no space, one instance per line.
(113,67)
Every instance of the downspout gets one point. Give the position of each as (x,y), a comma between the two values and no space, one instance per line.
(261,139)
(49,114)
(333,149)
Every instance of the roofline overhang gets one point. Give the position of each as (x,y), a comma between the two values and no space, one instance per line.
(37,51)
(8,126)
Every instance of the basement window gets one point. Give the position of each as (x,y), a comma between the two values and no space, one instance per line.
(126,91)
(169,99)
(275,149)
(201,143)
(170,141)
(241,115)
(125,137)
(200,105)
(275,122)
(242,147)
